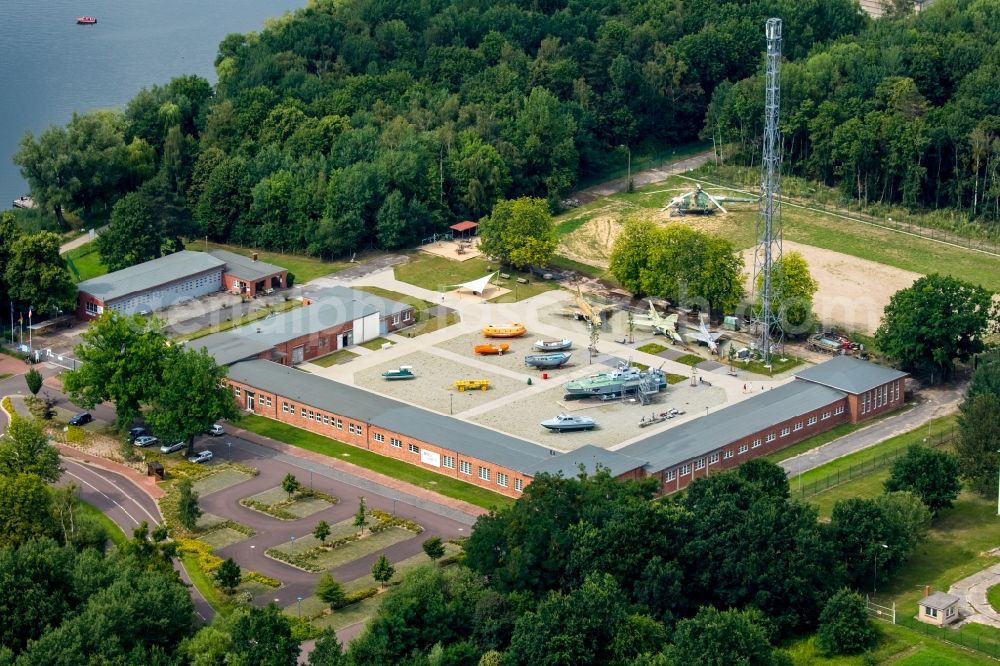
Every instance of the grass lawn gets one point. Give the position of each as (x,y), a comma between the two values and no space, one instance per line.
(778,365)
(857,464)
(432,324)
(812,226)
(897,645)
(115,533)
(215,598)
(993,596)
(309,547)
(349,615)
(276,503)
(303,268)
(388,466)
(87,260)
(596,272)
(375,344)
(216,481)
(418,303)
(652,348)
(339,356)
(222,537)
(813,442)
(689,359)
(438,273)
(243,320)
(675,379)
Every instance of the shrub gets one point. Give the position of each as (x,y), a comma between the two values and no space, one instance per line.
(844,627)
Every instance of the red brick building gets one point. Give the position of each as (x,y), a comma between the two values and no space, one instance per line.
(338,319)
(247,276)
(838,391)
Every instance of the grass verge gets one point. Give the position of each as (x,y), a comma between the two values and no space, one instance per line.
(216,599)
(339,356)
(870,458)
(652,348)
(397,469)
(87,261)
(689,359)
(432,324)
(375,344)
(115,533)
(303,268)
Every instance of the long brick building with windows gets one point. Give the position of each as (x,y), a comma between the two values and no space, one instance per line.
(841,390)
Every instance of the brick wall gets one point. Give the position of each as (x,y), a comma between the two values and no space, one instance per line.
(81,306)
(313,344)
(879,400)
(381,441)
(754,446)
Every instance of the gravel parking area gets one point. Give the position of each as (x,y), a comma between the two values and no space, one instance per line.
(617,420)
(433,388)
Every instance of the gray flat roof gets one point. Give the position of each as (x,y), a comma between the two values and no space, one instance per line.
(227,348)
(245,267)
(707,433)
(350,401)
(939,600)
(340,294)
(149,274)
(850,374)
(590,456)
(304,320)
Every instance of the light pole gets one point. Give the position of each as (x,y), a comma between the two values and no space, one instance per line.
(875,577)
(998,489)
(299,602)
(310,479)
(628,181)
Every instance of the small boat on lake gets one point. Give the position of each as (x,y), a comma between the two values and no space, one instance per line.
(553,345)
(512,331)
(404,372)
(546,361)
(86,20)
(569,422)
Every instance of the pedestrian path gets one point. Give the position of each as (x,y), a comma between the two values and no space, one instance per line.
(974,606)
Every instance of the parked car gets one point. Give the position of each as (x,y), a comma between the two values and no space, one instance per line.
(137,431)
(81,418)
(170,448)
(200,457)
(216,431)
(145,440)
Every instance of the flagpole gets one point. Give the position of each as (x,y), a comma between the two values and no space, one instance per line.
(12,322)
(29,328)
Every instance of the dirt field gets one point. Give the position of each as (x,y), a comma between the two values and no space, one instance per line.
(852,292)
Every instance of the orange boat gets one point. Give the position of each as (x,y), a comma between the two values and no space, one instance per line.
(492,349)
(512,331)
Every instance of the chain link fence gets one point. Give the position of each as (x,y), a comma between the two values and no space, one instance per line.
(801,490)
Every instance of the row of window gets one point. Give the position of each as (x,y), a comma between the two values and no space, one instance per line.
(671,474)
(448,461)
(879,397)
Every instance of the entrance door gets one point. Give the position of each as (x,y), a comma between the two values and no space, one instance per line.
(346,339)
(250,401)
(298,354)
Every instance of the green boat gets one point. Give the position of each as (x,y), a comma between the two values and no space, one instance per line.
(404,372)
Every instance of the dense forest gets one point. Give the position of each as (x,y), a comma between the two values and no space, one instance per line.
(903,112)
(589,570)
(366,123)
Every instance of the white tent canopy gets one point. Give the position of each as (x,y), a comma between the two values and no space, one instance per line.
(476,286)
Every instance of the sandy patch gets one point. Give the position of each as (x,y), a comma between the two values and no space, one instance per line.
(454,249)
(852,292)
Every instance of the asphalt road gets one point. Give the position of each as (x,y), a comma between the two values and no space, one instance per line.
(934,403)
(271,531)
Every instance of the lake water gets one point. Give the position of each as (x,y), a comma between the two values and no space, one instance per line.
(51,67)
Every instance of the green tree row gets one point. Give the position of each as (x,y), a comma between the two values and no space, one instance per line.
(345,125)
(903,112)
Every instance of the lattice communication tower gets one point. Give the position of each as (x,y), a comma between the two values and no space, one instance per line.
(766,286)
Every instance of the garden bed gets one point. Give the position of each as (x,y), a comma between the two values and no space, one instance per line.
(277,503)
